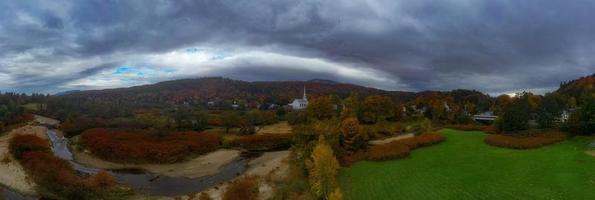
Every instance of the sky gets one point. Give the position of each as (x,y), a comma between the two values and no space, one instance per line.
(494,46)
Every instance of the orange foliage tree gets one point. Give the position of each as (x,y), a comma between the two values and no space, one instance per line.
(377,107)
(321,107)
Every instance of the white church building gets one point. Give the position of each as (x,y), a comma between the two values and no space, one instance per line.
(299,104)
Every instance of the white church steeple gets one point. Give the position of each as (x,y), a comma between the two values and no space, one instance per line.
(305,97)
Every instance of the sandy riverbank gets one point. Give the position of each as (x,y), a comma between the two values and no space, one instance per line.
(204,165)
(12,174)
(46,121)
(270,167)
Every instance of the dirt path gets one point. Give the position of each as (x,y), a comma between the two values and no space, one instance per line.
(204,165)
(12,174)
(390,139)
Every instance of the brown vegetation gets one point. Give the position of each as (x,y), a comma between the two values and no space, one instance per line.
(401,148)
(525,142)
(392,150)
(245,188)
(139,146)
(54,175)
(262,142)
(468,127)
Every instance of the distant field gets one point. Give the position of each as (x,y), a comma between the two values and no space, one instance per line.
(463,167)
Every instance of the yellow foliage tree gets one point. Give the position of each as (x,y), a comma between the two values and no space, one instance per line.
(324,169)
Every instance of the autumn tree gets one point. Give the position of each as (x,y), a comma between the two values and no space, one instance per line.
(352,106)
(323,170)
(230,120)
(351,132)
(398,111)
(321,108)
(377,107)
(501,104)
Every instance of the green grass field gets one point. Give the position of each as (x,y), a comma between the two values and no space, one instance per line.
(464,167)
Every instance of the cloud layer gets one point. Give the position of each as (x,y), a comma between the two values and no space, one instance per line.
(493,46)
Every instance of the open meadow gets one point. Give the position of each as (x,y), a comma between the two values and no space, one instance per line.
(464,167)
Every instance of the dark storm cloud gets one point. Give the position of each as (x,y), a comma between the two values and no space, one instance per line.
(494,46)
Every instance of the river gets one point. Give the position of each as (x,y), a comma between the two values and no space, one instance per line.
(151,184)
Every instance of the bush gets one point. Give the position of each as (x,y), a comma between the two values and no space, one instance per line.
(55,175)
(262,142)
(245,188)
(20,144)
(401,148)
(422,140)
(525,142)
(388,151)
(140,146)
(468,127)
(204,196)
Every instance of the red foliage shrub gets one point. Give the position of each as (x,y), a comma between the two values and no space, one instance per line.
(54,174)
(422,140)
(525,142)
(20,144)
(401,148)
(468,127)
(139,146)
(245,188)
(262,142)
(102,179)
(388,151)
(214,122)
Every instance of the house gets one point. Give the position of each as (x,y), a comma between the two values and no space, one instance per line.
(235,105)
(299,104)
(565,115)
(487,116)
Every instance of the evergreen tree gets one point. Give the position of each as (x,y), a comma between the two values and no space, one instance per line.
(549,112)
(516,116)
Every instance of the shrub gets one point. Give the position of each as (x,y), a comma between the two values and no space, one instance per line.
(388,151)
(525,142)
(245,188)
(140,146)
(468,127)
(20,144)
(422,140)
(55,175)
(204,196)
(262,142)
(401,148)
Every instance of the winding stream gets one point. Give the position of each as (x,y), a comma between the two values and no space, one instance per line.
(12,195)
(152,184)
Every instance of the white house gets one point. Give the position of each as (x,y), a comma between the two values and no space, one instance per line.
(299,104)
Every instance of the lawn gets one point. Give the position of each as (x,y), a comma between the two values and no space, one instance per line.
(464,167)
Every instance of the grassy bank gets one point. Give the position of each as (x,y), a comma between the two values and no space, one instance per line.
(464,167)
